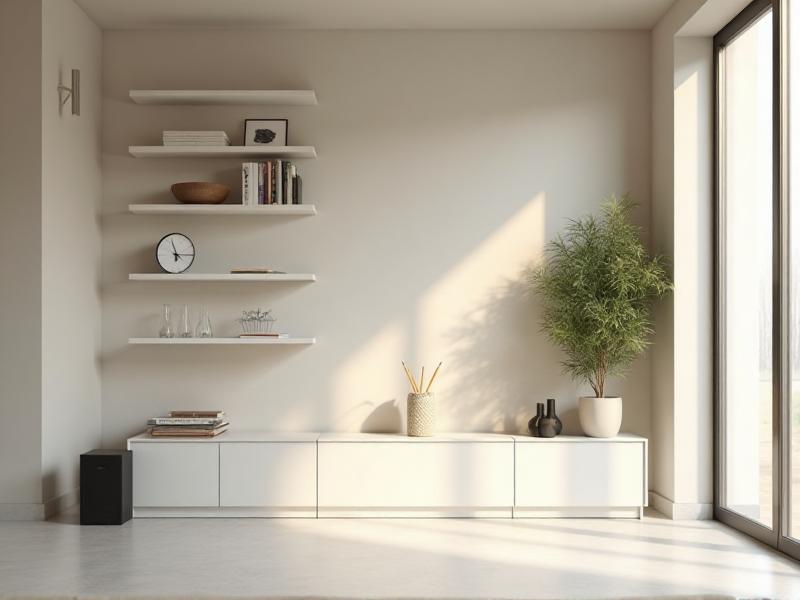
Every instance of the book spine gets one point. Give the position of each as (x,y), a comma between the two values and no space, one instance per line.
(290,184)
(246,192)
(260,199)
(245,183)
(254,186)
(272,188)
(279,184)
(268,187)
(285,174)
(298,196)
(186,421)
(208,414)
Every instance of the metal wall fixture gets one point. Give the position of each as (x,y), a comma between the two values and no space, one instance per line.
(72,93)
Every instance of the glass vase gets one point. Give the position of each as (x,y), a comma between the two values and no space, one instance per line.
(203,329)
(184,327)
(166,331)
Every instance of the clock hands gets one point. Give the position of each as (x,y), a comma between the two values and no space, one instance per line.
(174,250)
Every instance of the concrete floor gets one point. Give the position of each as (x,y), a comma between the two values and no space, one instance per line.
(500,558)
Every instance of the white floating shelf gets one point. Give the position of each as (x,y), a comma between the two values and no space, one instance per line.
(223,341)
(223,151)
(263,277)
(263,210)
(243,97)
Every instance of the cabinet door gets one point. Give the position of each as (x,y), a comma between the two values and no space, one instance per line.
(415,475)
(273,475)
(175,474)
(588,474)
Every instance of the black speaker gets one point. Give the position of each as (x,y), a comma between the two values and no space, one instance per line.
(106,487)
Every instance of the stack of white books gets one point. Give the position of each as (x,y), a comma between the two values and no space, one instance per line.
(195,138)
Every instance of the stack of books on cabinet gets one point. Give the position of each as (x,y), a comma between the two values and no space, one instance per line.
(181,423)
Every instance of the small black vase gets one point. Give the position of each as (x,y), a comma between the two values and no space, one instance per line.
(533,424)
(549,425)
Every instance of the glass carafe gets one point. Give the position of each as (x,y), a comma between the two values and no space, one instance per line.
(203,329)
(184,327)
(166,330)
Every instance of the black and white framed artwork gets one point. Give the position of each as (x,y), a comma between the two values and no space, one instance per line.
(266,132)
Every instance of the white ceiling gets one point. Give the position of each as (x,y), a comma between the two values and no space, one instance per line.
(376,14)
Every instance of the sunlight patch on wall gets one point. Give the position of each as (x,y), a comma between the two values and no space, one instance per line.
(477,319)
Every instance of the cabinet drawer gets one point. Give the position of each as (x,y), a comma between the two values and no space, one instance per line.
(589,474)
(445,478)
(272,475)
(175,474)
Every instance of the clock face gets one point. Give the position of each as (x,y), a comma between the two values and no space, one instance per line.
(175,253)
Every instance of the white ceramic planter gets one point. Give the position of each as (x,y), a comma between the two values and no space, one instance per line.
(600,417)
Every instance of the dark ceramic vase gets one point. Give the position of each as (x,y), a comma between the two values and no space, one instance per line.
(549,425)
(533,424)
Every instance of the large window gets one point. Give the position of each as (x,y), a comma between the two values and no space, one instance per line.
(745,210)
(758,274)
(792,163)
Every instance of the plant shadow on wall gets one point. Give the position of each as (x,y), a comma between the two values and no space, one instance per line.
(500,364)
(565,324)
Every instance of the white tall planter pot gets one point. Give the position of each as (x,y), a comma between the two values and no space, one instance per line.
(600,417)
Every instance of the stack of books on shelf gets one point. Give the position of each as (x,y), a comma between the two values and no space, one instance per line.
(195,138)
(271,182)
(189,423)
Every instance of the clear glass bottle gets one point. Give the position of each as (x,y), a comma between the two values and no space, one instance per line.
(184,327)
(203,329)
(166,330)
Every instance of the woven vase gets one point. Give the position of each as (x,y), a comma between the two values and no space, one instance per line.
(421,415)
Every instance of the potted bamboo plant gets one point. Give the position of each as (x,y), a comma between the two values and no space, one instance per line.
(597,286)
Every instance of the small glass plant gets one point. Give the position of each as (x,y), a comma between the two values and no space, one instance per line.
(257,322)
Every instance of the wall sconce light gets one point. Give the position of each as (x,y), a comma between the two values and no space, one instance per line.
(72,93)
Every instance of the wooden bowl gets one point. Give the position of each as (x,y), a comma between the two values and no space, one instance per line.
(200,192)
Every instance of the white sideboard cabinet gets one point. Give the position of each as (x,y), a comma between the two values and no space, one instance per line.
(576,476)
(378,475)
(238,474)
(257,474)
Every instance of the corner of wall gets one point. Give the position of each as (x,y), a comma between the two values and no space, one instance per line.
(680,370)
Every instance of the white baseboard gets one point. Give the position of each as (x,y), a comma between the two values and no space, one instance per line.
(21,511)
(578,512)
(681,511)
(38,511)
(224,512)
(390,512)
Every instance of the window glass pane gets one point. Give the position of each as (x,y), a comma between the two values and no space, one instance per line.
(746,211)
(794,265)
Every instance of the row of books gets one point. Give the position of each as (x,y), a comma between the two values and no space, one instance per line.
(271,182)
(189,423)
(195,138)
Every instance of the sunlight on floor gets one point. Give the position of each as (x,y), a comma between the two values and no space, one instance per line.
(356,558)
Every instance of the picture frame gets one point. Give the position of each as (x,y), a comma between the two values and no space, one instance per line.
(266,132)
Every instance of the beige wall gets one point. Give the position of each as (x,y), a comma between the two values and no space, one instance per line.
(446,161)
(50,259)
(693,259)
(20,257)
(71,192)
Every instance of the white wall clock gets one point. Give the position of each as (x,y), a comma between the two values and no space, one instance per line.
(175,253)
